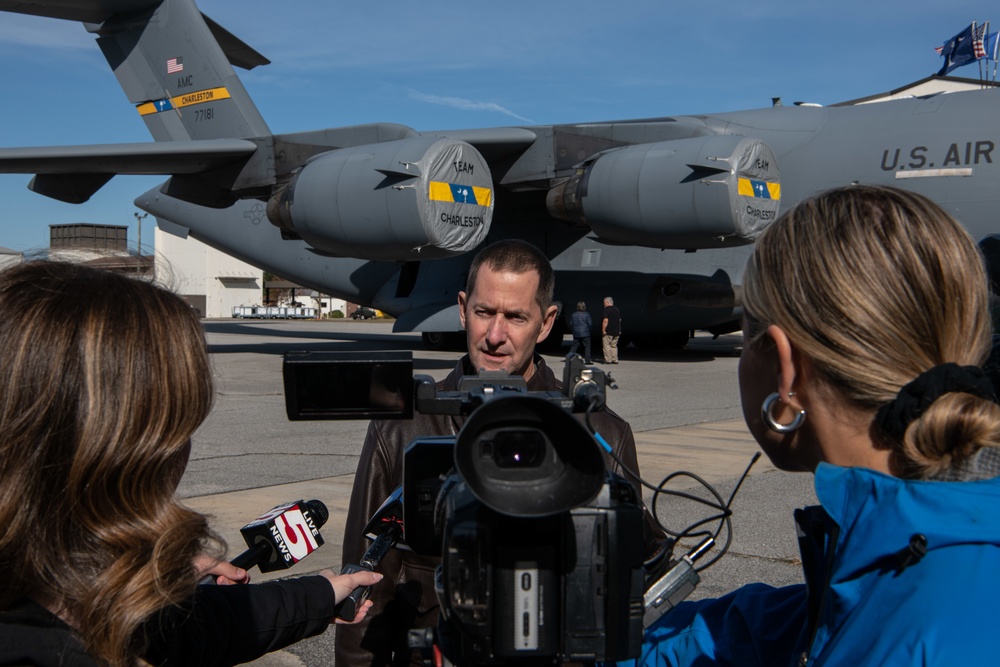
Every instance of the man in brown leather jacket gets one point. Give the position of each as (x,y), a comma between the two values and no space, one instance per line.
(506,310)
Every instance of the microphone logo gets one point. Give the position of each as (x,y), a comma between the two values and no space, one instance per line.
(295,533)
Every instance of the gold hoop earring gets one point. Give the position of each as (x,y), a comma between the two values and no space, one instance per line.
(772,423)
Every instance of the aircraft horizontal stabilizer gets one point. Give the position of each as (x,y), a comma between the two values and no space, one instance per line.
(239,53)
(95,11)
(98,11)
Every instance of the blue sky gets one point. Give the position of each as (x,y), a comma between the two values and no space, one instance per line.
(436,65)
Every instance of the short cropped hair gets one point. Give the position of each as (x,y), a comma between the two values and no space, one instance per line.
(516,256)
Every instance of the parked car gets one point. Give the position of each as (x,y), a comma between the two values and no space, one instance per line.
(364,313)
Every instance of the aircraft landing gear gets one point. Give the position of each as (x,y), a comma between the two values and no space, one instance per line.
(663,342)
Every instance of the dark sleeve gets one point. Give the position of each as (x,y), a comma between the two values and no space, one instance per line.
(373,482)
(405,597)
(229,625)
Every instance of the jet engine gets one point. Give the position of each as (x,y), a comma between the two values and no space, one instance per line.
(412,199)
(705,192)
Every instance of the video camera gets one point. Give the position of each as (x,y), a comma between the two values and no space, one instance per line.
(541,556)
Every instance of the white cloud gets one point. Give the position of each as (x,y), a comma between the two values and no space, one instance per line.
(465,105)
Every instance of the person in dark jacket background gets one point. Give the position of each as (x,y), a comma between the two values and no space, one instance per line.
(611,329)
(580,325)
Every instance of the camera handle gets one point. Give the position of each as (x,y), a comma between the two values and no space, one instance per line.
(348,609)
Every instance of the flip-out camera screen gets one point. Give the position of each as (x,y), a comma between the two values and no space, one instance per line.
(348,385)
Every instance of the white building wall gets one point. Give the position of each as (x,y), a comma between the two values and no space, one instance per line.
(9,257)
(202,273)
(324,303)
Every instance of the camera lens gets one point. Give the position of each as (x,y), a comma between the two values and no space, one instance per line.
(518,448)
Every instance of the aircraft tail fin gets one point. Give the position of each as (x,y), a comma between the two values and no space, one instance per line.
(175,66)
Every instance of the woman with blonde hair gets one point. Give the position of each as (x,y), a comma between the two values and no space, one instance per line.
(103,380)
(866,321)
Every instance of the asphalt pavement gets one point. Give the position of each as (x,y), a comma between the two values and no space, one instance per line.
(683,407)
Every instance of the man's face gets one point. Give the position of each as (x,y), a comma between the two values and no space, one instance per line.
(503,322)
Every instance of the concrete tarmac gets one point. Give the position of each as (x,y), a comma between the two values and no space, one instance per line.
(683,407)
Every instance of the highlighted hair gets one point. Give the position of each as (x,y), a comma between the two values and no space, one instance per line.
(876,285)
(103,380)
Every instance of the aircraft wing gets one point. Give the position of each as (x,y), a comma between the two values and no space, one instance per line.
(172,157)
(74,173)
(495,142)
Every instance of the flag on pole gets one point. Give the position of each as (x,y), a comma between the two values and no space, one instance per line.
(979,36)
(991,46)
(957,51)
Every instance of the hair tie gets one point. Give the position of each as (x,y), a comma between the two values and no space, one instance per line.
(914,398)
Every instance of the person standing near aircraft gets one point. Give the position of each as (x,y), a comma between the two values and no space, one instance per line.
(506,310)
(580,325)
(611,329)
(866,321)
(104,379)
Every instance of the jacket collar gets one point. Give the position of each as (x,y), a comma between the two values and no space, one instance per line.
(878,514)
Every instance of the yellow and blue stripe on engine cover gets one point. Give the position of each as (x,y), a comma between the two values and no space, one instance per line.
(759,189)
(459,194)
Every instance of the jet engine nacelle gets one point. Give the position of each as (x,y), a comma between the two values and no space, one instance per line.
(419,198)
(706,192)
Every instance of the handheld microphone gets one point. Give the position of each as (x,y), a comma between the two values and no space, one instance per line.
(384,528)
(281,537)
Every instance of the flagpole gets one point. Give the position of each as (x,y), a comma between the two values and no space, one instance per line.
(996,41)
(986,37)
(979,61)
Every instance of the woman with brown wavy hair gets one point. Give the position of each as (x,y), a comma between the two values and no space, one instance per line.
(103,380)
(866,322)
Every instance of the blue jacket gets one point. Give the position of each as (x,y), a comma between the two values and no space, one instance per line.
(580,323)
(865,607)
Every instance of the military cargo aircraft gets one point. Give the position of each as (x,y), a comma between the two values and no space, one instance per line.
(659,212)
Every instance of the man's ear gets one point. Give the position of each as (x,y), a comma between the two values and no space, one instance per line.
(461,308)
(790,366)
(548,319)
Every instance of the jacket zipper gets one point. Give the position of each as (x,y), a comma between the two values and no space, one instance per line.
(831,531)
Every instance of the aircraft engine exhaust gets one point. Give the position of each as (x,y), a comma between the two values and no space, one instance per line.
(412,199)
(706,192)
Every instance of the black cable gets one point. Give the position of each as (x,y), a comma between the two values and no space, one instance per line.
(724,511)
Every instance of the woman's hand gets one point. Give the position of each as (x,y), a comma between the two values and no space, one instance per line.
(224,573)
(343,584)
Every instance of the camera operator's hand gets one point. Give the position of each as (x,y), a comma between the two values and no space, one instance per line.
(343,584)
(222,573)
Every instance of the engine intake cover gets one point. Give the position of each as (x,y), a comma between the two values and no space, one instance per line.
(705,192)
(420,198)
